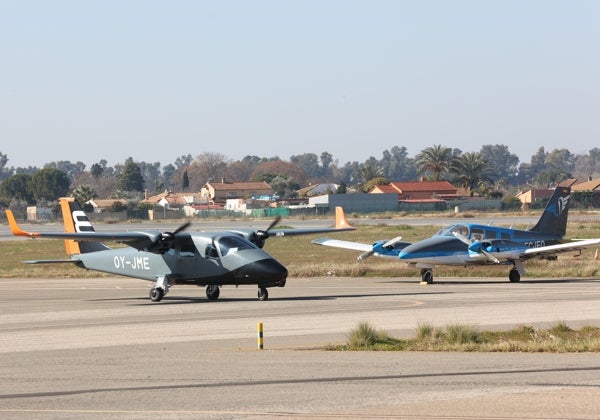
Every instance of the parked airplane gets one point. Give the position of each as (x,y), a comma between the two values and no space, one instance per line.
(472,244)
(211,259)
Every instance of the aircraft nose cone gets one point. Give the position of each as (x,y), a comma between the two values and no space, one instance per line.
(414,251)
(267,271)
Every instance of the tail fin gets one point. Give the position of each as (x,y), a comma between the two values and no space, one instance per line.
(76,220)
(554,218)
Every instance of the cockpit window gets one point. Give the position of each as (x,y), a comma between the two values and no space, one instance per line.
(449,230)
(230,244)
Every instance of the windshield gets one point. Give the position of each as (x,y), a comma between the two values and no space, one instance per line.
(449,230)
(230,244)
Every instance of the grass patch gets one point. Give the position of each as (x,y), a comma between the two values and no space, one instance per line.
(560,338)
(304,259)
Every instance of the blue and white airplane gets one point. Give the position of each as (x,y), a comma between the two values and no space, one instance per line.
(472,244)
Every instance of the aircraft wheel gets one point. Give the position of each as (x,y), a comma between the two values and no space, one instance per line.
(263,294)
(514,276)
(427,276)
(156,294)
(212,292)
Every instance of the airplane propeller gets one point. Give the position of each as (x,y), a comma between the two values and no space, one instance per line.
(478,249)
(388,244)
(260,236)
(165,240)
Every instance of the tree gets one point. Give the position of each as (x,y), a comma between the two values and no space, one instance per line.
(308,162)
(207,166)
(367,172)
(97,170)
(284,187)
(436,159)
(284,169)
(131,179)
(506,164)
(16,187)
(83,194)
(472,169)
(375,182)
(326,165)
(587,165)
(185,182)
(4,172)
(67,167)
(151,174)
(49,184)
(397,165)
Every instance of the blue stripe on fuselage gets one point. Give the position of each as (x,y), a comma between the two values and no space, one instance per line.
(440,246)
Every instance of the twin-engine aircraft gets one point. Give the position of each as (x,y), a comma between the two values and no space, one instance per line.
(211,259)
(472,244)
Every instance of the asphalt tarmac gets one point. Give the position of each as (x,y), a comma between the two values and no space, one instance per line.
(99,348)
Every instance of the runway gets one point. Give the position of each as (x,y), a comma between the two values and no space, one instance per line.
(98,348)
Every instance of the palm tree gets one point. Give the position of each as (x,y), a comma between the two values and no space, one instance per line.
(472,169)
(367,172)
(84,193)
(436,159)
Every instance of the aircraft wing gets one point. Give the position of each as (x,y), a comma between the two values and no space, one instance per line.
(341,224)
(546,251)
(307,231)
(382,248)
(336,243)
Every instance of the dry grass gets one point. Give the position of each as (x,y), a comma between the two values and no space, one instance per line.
(457,337)
(304,259)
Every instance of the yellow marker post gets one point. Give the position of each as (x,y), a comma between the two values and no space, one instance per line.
(260,335)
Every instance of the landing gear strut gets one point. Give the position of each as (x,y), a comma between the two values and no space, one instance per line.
(514,276)
(160,289)
(427,275)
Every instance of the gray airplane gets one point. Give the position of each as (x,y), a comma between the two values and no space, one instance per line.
(211,259)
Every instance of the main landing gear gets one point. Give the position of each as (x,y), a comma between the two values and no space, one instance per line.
(514,276)
(263,294)
(212,292)
(427,275)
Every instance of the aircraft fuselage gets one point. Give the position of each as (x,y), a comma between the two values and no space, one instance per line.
(446,249)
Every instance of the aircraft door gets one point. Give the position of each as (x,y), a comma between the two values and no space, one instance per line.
(207,250)
(187,256)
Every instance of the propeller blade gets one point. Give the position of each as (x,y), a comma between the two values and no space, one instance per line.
(165,239)
(182,227)
(490,256)
(365,255)
(466,240)
(274,223)
(392,242)
(261,235)
(462,238)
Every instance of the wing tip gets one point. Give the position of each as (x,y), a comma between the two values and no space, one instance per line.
(340,219)
(15,228)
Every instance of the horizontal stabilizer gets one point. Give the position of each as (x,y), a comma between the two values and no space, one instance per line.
(52,261)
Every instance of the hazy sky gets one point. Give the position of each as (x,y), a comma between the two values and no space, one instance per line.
(91,80)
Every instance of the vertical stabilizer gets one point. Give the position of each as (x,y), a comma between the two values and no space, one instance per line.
(554,218)
(76,220)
